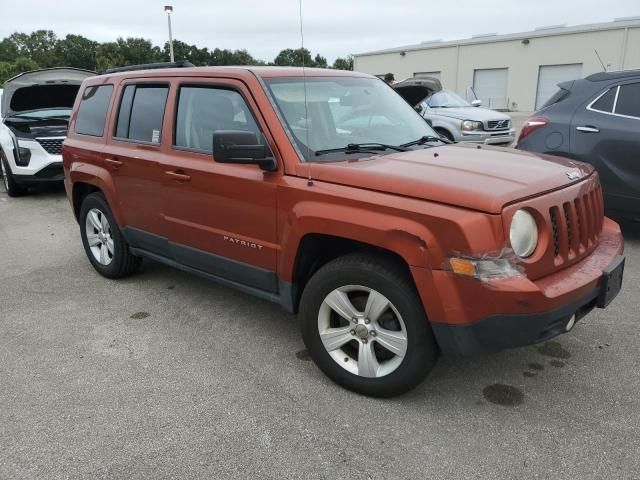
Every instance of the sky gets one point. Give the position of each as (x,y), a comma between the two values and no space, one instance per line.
(332,28)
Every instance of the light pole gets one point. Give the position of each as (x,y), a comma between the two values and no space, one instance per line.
(168,9)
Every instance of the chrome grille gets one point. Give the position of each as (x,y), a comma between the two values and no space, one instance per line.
(52,145)
(498,124)
(576,225)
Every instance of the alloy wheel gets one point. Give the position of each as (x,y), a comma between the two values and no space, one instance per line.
(362,331)
(99,236)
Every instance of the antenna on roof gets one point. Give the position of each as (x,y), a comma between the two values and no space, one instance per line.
(601,62)
(304,83)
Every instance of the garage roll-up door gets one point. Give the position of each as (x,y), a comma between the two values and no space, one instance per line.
(549,76)
(490,86)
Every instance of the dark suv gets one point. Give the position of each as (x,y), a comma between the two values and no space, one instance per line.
(595,120)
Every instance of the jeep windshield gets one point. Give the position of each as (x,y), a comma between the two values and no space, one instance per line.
(342,112)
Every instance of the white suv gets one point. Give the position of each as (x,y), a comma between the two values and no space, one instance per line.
(35,114)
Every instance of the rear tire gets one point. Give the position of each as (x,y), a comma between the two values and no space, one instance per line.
(13,189)
(389,348)
(104,244)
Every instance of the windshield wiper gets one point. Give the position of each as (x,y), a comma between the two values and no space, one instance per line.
(362,148)
(426,139)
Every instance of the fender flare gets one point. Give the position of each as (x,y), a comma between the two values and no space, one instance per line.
(407,238)
(102,180)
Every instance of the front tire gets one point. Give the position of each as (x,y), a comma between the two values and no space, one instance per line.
(445,133)
(365,327)
(103,241)
(13,189)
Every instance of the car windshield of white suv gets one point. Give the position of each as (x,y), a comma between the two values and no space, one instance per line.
(44,114)
(447,99)
(347,116)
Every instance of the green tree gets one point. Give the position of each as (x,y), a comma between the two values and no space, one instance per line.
(39,46)
(138,50)
(343,63)
(294,58)
(233,57)
(320,62)
(123,52)
(108,55)
(76,51)
(6,71)
(8,50)
(10,69)
(183,51)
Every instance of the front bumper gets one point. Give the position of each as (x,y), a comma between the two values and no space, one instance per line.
(470,317)
(52,173)
(499,332)
(488,137)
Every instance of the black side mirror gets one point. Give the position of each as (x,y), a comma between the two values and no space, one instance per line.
(238,146)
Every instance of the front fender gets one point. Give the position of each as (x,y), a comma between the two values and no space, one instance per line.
(6,144)
(405,237)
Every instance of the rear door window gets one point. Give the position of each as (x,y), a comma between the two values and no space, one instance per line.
(141,113)
(92,111)
(629,100)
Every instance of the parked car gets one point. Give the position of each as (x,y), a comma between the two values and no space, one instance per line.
(35,113)
(595,120)
(453,117)
(392,246)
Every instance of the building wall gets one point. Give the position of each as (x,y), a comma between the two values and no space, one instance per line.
(457,63)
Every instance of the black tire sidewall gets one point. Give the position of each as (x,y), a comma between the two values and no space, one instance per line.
(422,350)
(13,188)
(445,134)
(120,247)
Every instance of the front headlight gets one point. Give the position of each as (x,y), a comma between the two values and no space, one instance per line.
(523,234)
(469,125)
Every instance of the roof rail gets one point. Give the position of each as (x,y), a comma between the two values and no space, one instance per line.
(151,66)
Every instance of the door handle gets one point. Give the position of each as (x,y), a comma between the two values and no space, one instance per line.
(178,175)
(114,163)
(588,129)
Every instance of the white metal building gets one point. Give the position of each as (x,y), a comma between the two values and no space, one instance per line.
(516,71)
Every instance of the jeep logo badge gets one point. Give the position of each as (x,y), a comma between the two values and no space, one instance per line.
(574,175)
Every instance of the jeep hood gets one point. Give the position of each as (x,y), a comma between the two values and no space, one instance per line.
(41,89)
(483,179)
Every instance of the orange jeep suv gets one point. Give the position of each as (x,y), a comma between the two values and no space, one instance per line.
(325,192)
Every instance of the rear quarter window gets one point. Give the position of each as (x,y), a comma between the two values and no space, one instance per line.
(92,111)
(605,102)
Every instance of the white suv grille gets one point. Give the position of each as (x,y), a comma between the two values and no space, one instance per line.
(52,145)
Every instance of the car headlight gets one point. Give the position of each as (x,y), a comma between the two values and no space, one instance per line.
(523,234)
(469,125)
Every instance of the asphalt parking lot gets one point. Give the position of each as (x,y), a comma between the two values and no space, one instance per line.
(164,375)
